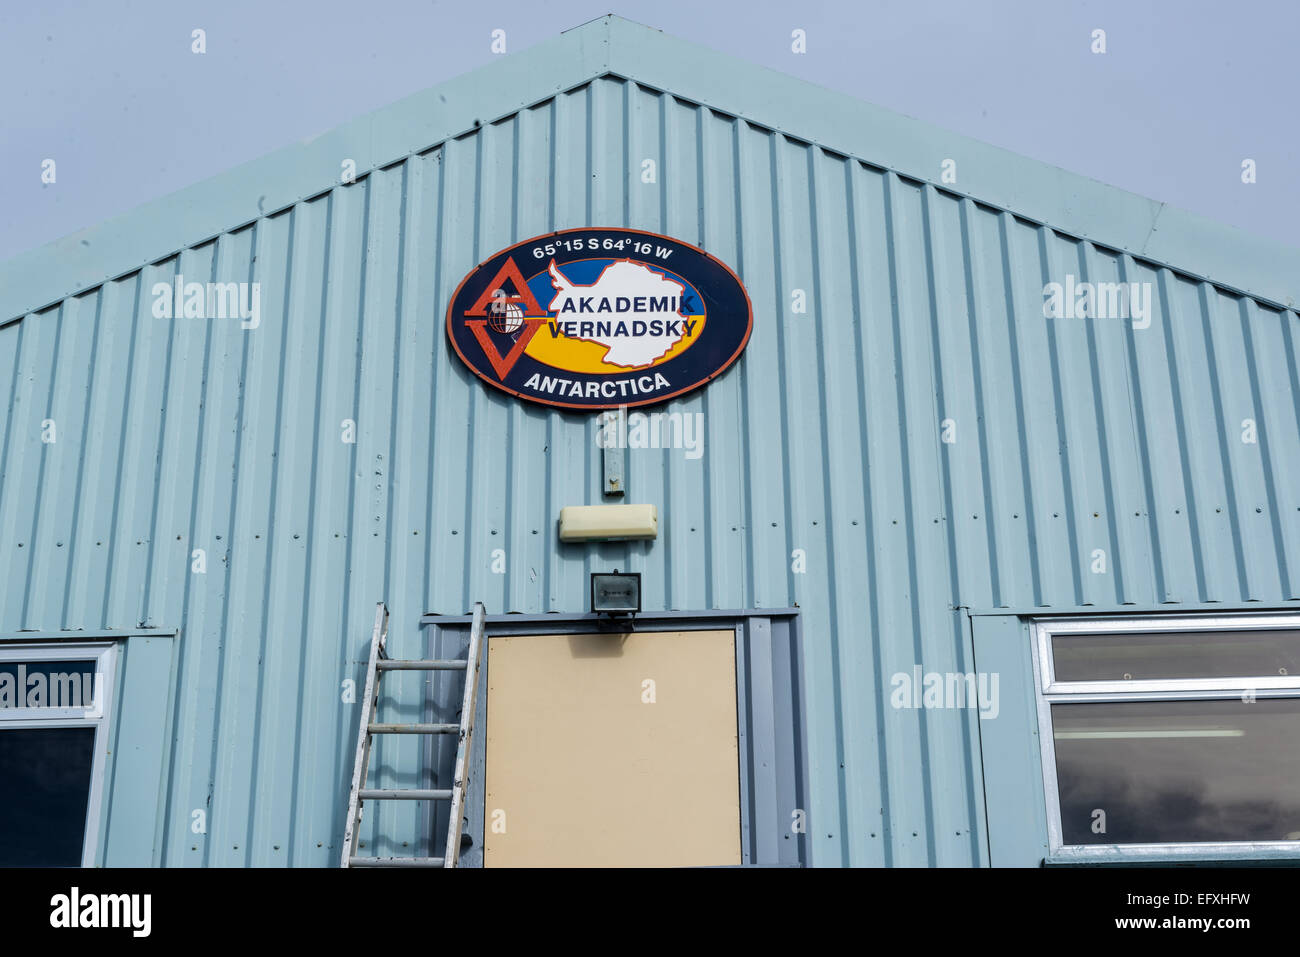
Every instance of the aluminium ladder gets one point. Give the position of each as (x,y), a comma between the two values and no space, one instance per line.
(368,728)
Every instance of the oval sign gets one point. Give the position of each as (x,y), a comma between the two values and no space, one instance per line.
(599,318)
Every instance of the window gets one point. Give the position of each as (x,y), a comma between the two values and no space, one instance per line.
(53,740)
(1170,737)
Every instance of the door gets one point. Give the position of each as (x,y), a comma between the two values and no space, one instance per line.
(612,750)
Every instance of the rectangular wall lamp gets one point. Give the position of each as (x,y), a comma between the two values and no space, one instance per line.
(608,523)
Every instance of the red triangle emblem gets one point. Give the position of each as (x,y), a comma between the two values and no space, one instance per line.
(522,295)
(502,365)
(534,316)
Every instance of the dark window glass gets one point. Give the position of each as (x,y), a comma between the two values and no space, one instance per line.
(44,790)
(1179,771)
(47,684)
(1201,654)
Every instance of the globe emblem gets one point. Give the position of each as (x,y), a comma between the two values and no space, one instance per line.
(505,316)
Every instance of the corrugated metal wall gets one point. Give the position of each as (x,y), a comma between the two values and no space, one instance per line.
(1070,436)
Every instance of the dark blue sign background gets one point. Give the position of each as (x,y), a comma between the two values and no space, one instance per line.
(488,350)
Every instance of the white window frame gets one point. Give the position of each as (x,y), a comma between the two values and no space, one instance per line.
(1050,691)
(97,716)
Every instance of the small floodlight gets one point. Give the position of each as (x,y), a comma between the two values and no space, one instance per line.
(615,593)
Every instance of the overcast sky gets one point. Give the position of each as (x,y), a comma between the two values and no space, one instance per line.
(1185,92)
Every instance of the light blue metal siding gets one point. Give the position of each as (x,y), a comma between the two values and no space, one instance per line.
(1071,436)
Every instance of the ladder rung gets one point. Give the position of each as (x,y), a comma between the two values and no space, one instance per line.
(394,862)
(428,664)
(413,728)
(405,794)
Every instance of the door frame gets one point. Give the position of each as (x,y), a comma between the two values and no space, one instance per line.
(770,722)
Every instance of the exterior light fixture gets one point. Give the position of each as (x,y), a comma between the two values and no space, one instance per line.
(608,523)
(615,593)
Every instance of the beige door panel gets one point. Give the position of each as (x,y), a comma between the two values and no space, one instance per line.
(612,750)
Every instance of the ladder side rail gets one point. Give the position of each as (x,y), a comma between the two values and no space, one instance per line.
(468,703)
(361,766)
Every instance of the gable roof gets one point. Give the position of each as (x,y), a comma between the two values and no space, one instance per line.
(1071,204)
